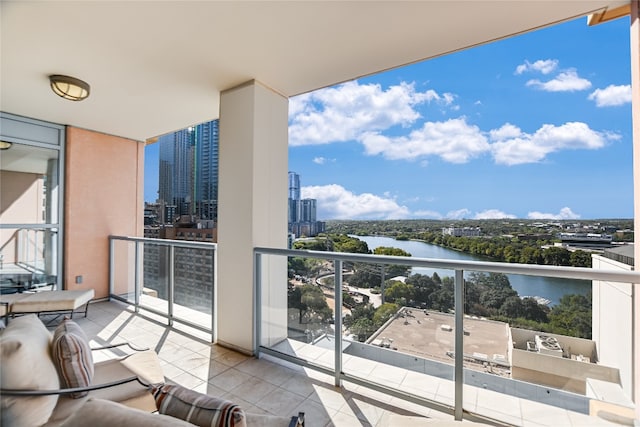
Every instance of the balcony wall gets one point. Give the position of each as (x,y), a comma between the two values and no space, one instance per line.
(104,181)
(558,372)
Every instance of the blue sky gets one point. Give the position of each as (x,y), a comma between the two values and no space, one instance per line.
(537,126)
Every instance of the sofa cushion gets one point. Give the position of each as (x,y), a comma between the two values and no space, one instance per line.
(104,413)
(197,408)
(72,356)
(25,363)
(131,394)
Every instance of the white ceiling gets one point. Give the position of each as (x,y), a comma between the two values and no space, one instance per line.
(155,67)
(26,159)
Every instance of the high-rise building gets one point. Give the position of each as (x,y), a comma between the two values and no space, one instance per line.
(188,192)
(205,183)
(294,186)
(302,212)
(188,177)
(176,164)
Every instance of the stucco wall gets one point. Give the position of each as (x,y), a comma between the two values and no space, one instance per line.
(104,196)
(613,321)
(558,372)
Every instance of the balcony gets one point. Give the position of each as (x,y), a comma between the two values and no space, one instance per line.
(340,381)
(263,385)
(91,153)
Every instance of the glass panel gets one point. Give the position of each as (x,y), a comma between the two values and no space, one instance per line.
(124,270)
(29,185)
(529,342)
(401,329)
(193,291)
(29,199)
(155,277)
(529,337)
(311,305)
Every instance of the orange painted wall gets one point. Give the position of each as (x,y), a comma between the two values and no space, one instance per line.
(103,196)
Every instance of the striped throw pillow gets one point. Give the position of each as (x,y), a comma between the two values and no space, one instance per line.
(197,408)
(72,356)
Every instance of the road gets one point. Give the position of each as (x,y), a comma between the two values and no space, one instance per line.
(375,299)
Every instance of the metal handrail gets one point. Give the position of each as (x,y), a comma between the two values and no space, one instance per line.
(166,242)
(489,267)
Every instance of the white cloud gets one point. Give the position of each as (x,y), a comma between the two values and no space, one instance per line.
(458,214)
(454,141)
(565,213)
(364,113)
(513,146)
(336,202)
(544,66)
(447,98)
(319,160)
(506,131)
(492,214)
(611,96)
(345,112)
(567,81)
(300,104)
(427,214)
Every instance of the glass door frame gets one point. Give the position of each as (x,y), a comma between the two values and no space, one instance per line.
(40,134)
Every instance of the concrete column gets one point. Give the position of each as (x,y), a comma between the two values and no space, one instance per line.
(252,212)
(635,118)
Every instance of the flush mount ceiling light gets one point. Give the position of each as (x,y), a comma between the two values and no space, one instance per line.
(5,145)
(69,87)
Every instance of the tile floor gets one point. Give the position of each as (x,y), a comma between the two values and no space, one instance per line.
(268,386)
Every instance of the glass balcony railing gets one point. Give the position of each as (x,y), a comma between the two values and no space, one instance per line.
(30,257)
(461,341)
(171,278)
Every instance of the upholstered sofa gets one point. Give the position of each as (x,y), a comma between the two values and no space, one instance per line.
(51,380)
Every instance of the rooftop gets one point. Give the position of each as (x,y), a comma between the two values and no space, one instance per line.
(429,334)
(622,253)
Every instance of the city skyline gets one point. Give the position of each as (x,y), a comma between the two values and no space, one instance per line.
(187,177)
(302,215)
(537,126)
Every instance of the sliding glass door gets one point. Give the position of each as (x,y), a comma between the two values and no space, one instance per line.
(31,178)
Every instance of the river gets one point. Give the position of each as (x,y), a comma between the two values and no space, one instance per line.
(547,287)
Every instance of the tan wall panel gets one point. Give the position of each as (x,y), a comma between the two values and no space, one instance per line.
(559,372)
(20,203)
(104,178)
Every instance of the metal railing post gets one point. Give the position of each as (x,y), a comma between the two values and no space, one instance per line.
(136,277)
(35,249)
(214,278)
(171,284)
(337,320)
(257,303)
(111,266)
(459,342)
(382,278)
